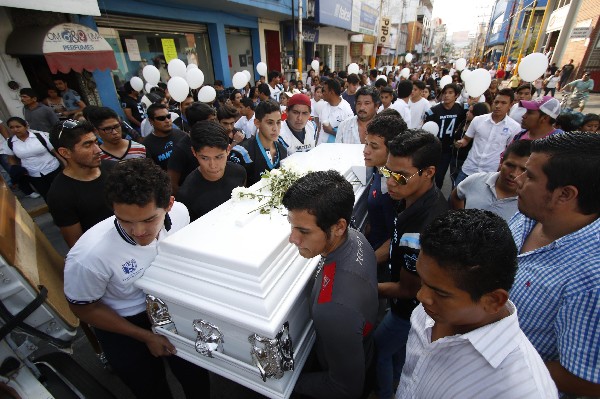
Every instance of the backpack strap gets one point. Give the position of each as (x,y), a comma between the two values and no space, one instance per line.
(43,141)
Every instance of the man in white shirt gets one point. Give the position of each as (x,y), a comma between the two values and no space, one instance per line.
(354,129)
(100,271)
(332,112)
(418,105)
(246,122)
(298,132)
(465,340)
(523,93)
(404,90)
(491,134)
(274,86)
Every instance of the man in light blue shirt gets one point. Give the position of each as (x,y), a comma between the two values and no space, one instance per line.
(557,232)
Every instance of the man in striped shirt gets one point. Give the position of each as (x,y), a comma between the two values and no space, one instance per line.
(465,340)
(557,232)
(107,126)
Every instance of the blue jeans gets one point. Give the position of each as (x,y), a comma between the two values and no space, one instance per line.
(461,176)
(390,340)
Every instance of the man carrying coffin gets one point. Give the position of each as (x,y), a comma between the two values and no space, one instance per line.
(343,301)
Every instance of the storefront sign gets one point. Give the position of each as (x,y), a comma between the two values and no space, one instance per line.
(557,18)
(582,30)
(169,49)
(133,50)
(83,7)
(368,17)
(335,13)
(384,32)
(310,35)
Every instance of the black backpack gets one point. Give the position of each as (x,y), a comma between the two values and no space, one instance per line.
(39,137)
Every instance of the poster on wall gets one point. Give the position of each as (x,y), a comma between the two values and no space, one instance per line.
(335,13)
(133,50)
(169,49)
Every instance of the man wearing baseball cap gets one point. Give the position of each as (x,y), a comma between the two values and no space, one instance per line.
(298,133)
(538,120)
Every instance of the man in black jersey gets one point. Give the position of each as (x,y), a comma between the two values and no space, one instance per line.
(343,301)
(160,144)
(211,183)
(449,116)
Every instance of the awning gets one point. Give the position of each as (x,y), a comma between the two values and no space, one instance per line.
(81,7)
(65,46)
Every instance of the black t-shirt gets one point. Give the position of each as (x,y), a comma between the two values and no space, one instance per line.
(182,159)
(449,121)
(351,99)
(161,148)
(73,201)
(405,244)
(257,162)
(137,111)
(202,196)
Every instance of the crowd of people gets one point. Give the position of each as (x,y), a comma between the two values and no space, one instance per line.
(425,303)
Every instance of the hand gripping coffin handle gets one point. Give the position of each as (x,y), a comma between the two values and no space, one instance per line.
(209,338)
(273,356)
(158,312)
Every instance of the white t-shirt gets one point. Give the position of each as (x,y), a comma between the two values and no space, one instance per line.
(417,111)
(334,115)
(105,262)
(247,126)
(315,106)
(292,144)
(517,112)
(402,107)
(275,92)
(32,153)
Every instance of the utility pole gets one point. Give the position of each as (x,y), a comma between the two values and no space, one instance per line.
(374,55)
(399,32)
(301,39)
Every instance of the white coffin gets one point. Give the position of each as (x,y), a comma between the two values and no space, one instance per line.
(236,270)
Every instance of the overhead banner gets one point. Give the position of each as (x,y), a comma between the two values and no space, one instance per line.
(335,13)
(385,32)
(368,18)
(83,7)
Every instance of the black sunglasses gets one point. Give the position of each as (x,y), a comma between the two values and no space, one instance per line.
(162,118)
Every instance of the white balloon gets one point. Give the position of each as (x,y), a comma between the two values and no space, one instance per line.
(177,67)
(465,74)
(431,127)
(248,74)
(239,80)
(353,68)
(445,80)
(207,94)
(478,82)
(461,64)
(151,74)
(261,68)
(194,78)
(405,73)
(191,66)
(137,83)
(315,65)
(532,67)
(408,57)
(178,88)
(149,87)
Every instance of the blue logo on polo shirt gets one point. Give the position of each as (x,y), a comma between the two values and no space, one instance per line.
(129,266)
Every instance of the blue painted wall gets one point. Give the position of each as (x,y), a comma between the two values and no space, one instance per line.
(500,37)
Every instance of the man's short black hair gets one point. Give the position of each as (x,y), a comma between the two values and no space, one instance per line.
(566,122)
(218,83)
(69,136)
(325,194)
(138,182)
(373,73)
(273,75)
(100,114)
(508,93)
(199,112)
(386,89)
(404,88)
(422,147)
(519,148)
(227,112)
(368,91)
(334,86)
(353,78)
(389,111)
(209,134)
(420,84)
(574,160)
(263,88)
(28,91)
(343,75)
(151,111)
(456,88)
(387,126)
(528,86)
(381,83)
(247,102)
(475,247)
(266,107)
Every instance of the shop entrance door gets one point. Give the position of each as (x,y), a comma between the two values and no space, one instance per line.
(273,49)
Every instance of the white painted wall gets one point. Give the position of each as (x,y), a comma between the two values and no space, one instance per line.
(10,69)
(335,37)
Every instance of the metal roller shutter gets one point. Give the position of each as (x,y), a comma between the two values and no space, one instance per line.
(148,25)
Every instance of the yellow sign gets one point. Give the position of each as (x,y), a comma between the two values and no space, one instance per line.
(169,49)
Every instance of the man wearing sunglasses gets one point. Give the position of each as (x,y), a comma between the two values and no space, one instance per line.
(409,172)
(159,144)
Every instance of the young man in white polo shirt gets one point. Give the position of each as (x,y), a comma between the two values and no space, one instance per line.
(465,340)
(101,269)
(246,122)
(491,134)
